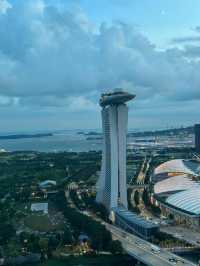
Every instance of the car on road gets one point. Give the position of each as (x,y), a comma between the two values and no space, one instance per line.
(124,235)
(173,260)
(138,243)
(155,248)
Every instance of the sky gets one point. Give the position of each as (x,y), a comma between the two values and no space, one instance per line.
(58,56)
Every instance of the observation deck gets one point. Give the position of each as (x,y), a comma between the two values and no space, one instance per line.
(118,96)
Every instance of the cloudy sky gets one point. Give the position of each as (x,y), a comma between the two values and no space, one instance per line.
(57,56)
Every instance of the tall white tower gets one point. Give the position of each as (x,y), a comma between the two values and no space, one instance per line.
(112,190)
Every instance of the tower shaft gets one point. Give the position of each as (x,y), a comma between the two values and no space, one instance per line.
(112,186)
(112,190)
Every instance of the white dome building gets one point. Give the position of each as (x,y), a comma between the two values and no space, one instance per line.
(178,166)
(177,190)
(188,200)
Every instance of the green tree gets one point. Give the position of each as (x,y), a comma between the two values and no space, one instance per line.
(137,198)
(52,244)
(145,198)
(116,247)
(7,231)
(67,237)
(171,216)
(43,244)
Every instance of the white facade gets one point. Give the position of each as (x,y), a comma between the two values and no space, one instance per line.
(177,189)
(179,166)
(40,207)
(174,184)
(112,189)
(188,200)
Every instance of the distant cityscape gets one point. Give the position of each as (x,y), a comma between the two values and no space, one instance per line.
(75,140)
(87,206)
(99,133)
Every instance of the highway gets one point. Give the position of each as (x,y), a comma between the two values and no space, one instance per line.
(142,250)
(143,171)
(183,233)
(142,174)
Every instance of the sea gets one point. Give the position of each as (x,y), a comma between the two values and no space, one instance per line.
(70,141)
(77,141)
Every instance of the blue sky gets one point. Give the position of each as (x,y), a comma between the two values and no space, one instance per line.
(56,57)
(160,20)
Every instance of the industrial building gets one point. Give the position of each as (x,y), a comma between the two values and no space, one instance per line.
(177,190)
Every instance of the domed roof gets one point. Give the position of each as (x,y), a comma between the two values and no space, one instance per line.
(173,184)
(190,167)
(188,200)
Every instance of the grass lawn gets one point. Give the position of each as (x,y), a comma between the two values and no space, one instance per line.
(89,261)
(41,223)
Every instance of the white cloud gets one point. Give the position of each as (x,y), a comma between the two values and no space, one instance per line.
(38,6)
(80,103)
(52,57)
(4,6)
(163,12)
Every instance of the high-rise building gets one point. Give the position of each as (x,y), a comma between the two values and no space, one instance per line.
(197,137)
(112,191)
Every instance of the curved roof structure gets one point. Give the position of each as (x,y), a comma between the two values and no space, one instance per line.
(177,185)
(47,183)
(114,98)
(190,167)
(188,200)
(173,184)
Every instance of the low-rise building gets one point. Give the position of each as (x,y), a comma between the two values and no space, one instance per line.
(47,184)
(133,223)
(40,207)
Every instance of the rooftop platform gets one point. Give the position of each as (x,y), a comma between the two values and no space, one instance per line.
(118,96)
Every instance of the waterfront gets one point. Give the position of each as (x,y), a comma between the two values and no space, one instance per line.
(68,141)
(73,141)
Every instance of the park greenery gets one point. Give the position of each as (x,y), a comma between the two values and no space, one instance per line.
(23,232)
(100,237)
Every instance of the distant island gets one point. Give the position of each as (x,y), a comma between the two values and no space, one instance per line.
(26,136)
(94,138)
(93,133)
(164,132)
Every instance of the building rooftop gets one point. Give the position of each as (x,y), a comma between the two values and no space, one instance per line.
(117,96)
(179,186)
(188,200)
(40,207)
(134,218)
(47,183)
(190,167)
(174,183)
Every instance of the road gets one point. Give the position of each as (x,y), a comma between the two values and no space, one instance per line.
(139,248)
(142,174)
(183,233)
(142,250)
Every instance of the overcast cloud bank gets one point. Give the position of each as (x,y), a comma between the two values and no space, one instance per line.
(53,57)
